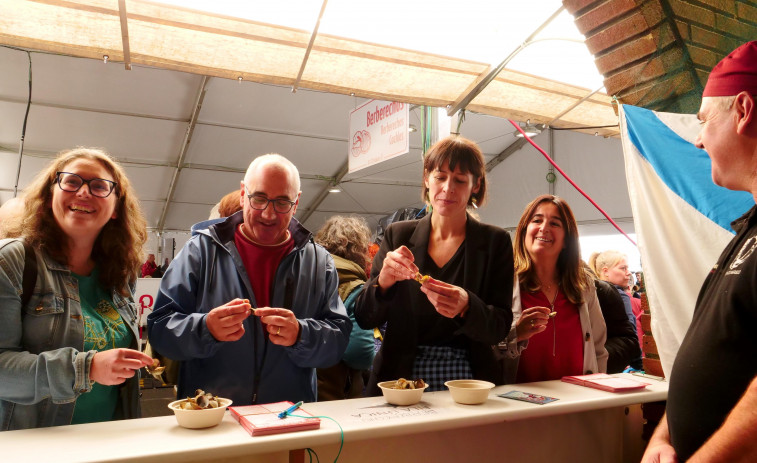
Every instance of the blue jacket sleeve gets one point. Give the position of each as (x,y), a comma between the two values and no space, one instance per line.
(175,327)
(325,333)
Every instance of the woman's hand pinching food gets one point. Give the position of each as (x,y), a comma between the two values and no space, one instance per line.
(449,300)
(398,265)
(114,366)
(532,321)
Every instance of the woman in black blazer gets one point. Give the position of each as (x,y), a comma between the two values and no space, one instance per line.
(444,327)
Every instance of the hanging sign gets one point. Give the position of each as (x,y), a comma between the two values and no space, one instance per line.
(378,131)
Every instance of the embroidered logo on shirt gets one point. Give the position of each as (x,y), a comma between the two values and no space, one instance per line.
(746,250)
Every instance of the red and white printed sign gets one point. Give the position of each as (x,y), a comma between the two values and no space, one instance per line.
(378,131)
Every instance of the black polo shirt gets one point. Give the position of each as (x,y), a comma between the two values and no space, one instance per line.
(718,356)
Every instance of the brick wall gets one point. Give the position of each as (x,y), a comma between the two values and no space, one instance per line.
(657,53)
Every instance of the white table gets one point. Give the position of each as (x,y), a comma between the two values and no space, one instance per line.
(584,425)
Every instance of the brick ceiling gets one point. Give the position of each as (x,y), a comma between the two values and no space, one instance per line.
(657,54)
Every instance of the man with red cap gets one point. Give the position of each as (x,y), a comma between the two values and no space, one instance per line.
(712,399)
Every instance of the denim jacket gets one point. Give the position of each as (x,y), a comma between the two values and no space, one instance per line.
(43,368)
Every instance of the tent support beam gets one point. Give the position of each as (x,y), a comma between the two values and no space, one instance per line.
(483,80)
(184,149)
(325,192)
(124,34)
(310,47)
(522,141)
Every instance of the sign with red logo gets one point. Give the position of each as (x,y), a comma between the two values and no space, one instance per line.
(378,131)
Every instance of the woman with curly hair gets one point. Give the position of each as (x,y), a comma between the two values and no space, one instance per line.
(347,240)
(68,348)
(555,306)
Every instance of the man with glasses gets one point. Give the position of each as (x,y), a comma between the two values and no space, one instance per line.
(250,304)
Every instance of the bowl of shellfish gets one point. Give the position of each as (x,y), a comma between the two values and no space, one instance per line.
(403,391)
(201,411)
(469,391)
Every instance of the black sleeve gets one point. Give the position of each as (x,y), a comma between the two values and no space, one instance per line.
(622,343)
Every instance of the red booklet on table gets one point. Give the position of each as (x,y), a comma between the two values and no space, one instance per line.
(261,420)
(606,382)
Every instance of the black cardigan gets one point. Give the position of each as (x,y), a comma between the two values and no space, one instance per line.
(622,343)
(488,276)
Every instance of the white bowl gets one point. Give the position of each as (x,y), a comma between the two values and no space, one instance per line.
(469,391)
(196,419)
(400,396)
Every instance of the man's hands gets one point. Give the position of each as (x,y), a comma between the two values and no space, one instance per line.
(659,449)
(114,366)
(281,324)
(225,323)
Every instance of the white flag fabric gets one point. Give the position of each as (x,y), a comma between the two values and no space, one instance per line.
(682,219)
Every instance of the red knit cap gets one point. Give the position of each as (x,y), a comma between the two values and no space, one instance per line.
(735,73)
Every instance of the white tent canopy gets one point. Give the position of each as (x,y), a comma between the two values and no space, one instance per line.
(186,128)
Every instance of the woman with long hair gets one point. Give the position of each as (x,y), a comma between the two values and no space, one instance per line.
(68,350)
(557,316)
(437,282)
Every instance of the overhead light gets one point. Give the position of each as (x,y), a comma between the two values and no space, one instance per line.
(335,189)
(530,129)
(412,128)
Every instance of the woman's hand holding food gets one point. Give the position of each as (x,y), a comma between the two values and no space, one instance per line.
(532,321)
(449,300)
(281,324)
(398,265)
(225,322)
(114,366)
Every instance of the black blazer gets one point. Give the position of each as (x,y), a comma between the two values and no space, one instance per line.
(412,321)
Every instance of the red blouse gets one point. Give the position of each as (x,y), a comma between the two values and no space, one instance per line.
(563,337)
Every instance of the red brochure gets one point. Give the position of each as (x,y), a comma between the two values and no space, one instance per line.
(261,420)
(606,382)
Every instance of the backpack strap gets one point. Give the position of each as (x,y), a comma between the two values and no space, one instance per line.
(30,274)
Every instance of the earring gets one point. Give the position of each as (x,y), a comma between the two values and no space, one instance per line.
(474,202)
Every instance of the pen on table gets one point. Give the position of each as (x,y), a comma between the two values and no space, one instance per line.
(646,375)
(290,409)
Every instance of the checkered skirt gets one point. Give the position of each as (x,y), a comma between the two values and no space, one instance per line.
(437,364)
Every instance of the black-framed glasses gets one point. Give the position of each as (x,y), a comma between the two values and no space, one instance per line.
(260,202)
(99,187)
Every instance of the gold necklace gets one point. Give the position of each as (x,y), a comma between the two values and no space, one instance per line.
(286,238)
(553,315)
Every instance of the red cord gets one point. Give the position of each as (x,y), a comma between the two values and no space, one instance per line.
(551,161)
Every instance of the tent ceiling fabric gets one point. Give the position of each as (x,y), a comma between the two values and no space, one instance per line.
(201,43)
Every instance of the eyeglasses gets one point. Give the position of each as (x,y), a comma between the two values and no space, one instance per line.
(99,187)
(260,203)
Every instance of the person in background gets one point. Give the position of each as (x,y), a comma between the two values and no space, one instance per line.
(250,305)
(558,329)
(164,267)
(8,211)
(347,239)
(149,267)
(612,267)
(229,204)
(441,327)
(712,396)
(622,343)
(69,355)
